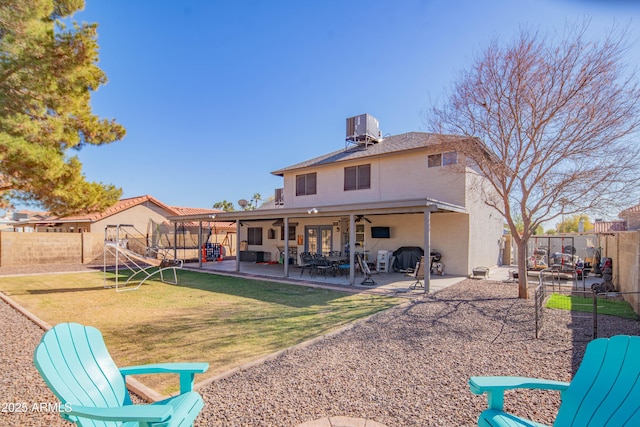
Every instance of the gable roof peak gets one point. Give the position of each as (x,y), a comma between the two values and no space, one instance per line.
(119,206)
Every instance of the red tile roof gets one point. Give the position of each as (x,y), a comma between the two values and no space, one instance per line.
(121,205)
(609,226)
(218,225)
(194,211)
(124,204)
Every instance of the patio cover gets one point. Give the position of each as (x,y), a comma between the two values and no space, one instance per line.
(425,206)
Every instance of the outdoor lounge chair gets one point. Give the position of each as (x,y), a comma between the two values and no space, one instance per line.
(604,391)
(418,275)
(368,281)
(75,364)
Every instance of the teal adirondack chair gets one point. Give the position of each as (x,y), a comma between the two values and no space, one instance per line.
(604,392)
(74,362)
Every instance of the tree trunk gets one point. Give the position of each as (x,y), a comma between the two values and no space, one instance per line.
(523,291)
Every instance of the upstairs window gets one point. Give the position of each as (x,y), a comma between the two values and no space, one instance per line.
(306,184)
(442,159)
(450,158)
(357,177)
(434,160)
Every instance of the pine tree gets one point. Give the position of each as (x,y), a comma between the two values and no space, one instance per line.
(47,73)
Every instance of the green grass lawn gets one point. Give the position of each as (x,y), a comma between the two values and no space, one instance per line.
(226,321)
(584,304)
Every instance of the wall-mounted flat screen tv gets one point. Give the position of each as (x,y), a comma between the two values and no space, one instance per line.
(380,232)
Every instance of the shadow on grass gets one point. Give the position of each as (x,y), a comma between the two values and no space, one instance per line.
(106,284)
(262,290)
(62,290)
(298,296)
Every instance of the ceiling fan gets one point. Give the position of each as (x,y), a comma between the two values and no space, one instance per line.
(361,217)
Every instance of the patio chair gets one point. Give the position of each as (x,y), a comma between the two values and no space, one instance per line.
(604,391)
(343,268)
(322,265)
(306,263)
(74,362)
(418,275)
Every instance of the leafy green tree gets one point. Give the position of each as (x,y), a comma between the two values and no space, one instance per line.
(572,224)
(253,203)
(249,206)
(48,70)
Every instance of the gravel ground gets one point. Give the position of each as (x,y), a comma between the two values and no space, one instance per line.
(408,366)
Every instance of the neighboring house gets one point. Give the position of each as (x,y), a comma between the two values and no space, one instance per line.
(136,211)
(148,216)
(609,226)
(631,216)
(21,220)
(629,221)
(144,225)
(372,195)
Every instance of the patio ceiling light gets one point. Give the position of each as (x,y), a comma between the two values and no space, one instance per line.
(312,211)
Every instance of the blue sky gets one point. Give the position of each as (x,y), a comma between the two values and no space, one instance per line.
(217,94)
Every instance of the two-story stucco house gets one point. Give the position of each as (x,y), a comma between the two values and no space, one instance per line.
(376,194)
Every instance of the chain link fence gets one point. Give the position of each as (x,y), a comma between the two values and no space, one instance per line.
(561,290)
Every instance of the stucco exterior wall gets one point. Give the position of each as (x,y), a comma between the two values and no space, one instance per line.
(138,216)
(485,225)
(449,236)
(465,240)
(395,177)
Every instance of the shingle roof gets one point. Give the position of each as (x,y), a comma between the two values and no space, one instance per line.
(392,144)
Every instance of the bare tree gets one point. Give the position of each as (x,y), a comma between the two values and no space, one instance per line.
(552,120)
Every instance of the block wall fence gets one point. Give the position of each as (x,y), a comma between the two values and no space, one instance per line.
(624,248)
(21,249)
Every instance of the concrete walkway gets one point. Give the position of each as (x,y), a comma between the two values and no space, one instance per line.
(393,283)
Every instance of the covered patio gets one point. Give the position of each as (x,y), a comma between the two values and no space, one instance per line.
(343,216)
(388,283)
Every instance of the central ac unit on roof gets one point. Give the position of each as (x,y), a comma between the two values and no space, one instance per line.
(363,129)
